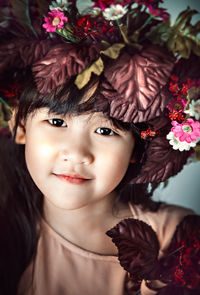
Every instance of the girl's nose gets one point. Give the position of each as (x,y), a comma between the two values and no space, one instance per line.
(78,154)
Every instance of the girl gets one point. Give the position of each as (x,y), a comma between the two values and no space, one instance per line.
(90,147)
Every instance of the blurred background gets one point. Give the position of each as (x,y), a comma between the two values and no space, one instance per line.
(184,188)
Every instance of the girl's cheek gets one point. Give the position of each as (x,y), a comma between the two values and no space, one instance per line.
(45,150)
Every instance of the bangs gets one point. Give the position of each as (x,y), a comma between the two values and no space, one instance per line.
(66,99)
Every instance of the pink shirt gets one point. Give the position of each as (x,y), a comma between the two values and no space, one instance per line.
(62,268)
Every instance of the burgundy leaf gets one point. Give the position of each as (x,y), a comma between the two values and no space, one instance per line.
(22,52)
(138,247)
(60,64)
(162,161)
(9,56)
(140,80)
(33,50)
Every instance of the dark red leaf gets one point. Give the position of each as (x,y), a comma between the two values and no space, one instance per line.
(140,80)
(138,247)
(162,161)
(60,64)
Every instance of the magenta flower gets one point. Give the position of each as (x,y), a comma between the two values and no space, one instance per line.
(159,12)
(102,4)
(55,19)
(188,131)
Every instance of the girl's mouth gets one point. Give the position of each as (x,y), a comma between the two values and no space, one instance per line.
(75,179)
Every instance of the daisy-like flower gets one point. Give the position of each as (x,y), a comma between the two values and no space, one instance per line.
(194,109)
(177,144)
(188,131)
(115,12)
(61,5)
(55,19)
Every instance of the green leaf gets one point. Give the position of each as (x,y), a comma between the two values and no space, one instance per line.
(83,78)
(113,51)
(182,37)
(197,152)
(165,184)
(184,17)
(161,33)
(5,115)
(123,31)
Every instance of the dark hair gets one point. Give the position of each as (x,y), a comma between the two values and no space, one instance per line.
(22,202)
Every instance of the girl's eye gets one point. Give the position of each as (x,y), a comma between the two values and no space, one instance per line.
(57,122)
(105,131)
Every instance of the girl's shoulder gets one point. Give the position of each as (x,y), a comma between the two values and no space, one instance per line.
(164,221)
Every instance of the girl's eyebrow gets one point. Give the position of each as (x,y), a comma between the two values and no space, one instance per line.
(100,119)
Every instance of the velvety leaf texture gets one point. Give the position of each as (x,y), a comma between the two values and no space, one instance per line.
(138,247)
(21,53)
(9,56)
(140,79)
(60,64)
(162,161)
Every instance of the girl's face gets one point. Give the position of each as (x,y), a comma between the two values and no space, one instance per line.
(76,160)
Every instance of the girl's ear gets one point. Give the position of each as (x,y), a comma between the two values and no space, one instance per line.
(20,133)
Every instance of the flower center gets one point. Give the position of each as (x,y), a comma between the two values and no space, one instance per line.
(56,21)
(116,13)
(178,106)
(187,128)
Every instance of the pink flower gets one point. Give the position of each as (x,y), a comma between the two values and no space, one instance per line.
(55,19)
(154,10)
(158,12)
(188,131)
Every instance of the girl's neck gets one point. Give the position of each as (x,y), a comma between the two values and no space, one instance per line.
(86,226)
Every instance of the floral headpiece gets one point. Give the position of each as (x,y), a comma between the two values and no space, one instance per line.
(133,45)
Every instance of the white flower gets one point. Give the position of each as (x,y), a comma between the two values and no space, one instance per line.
(134,5)
(115,12)
(194,109)
(61,5)
(180,145)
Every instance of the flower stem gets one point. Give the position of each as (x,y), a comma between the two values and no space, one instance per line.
(65,36)
(122,31)
(4,102)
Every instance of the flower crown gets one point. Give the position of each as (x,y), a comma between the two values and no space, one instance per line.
(112,17)
(106,30)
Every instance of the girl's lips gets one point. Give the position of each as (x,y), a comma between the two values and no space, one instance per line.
(75,179)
